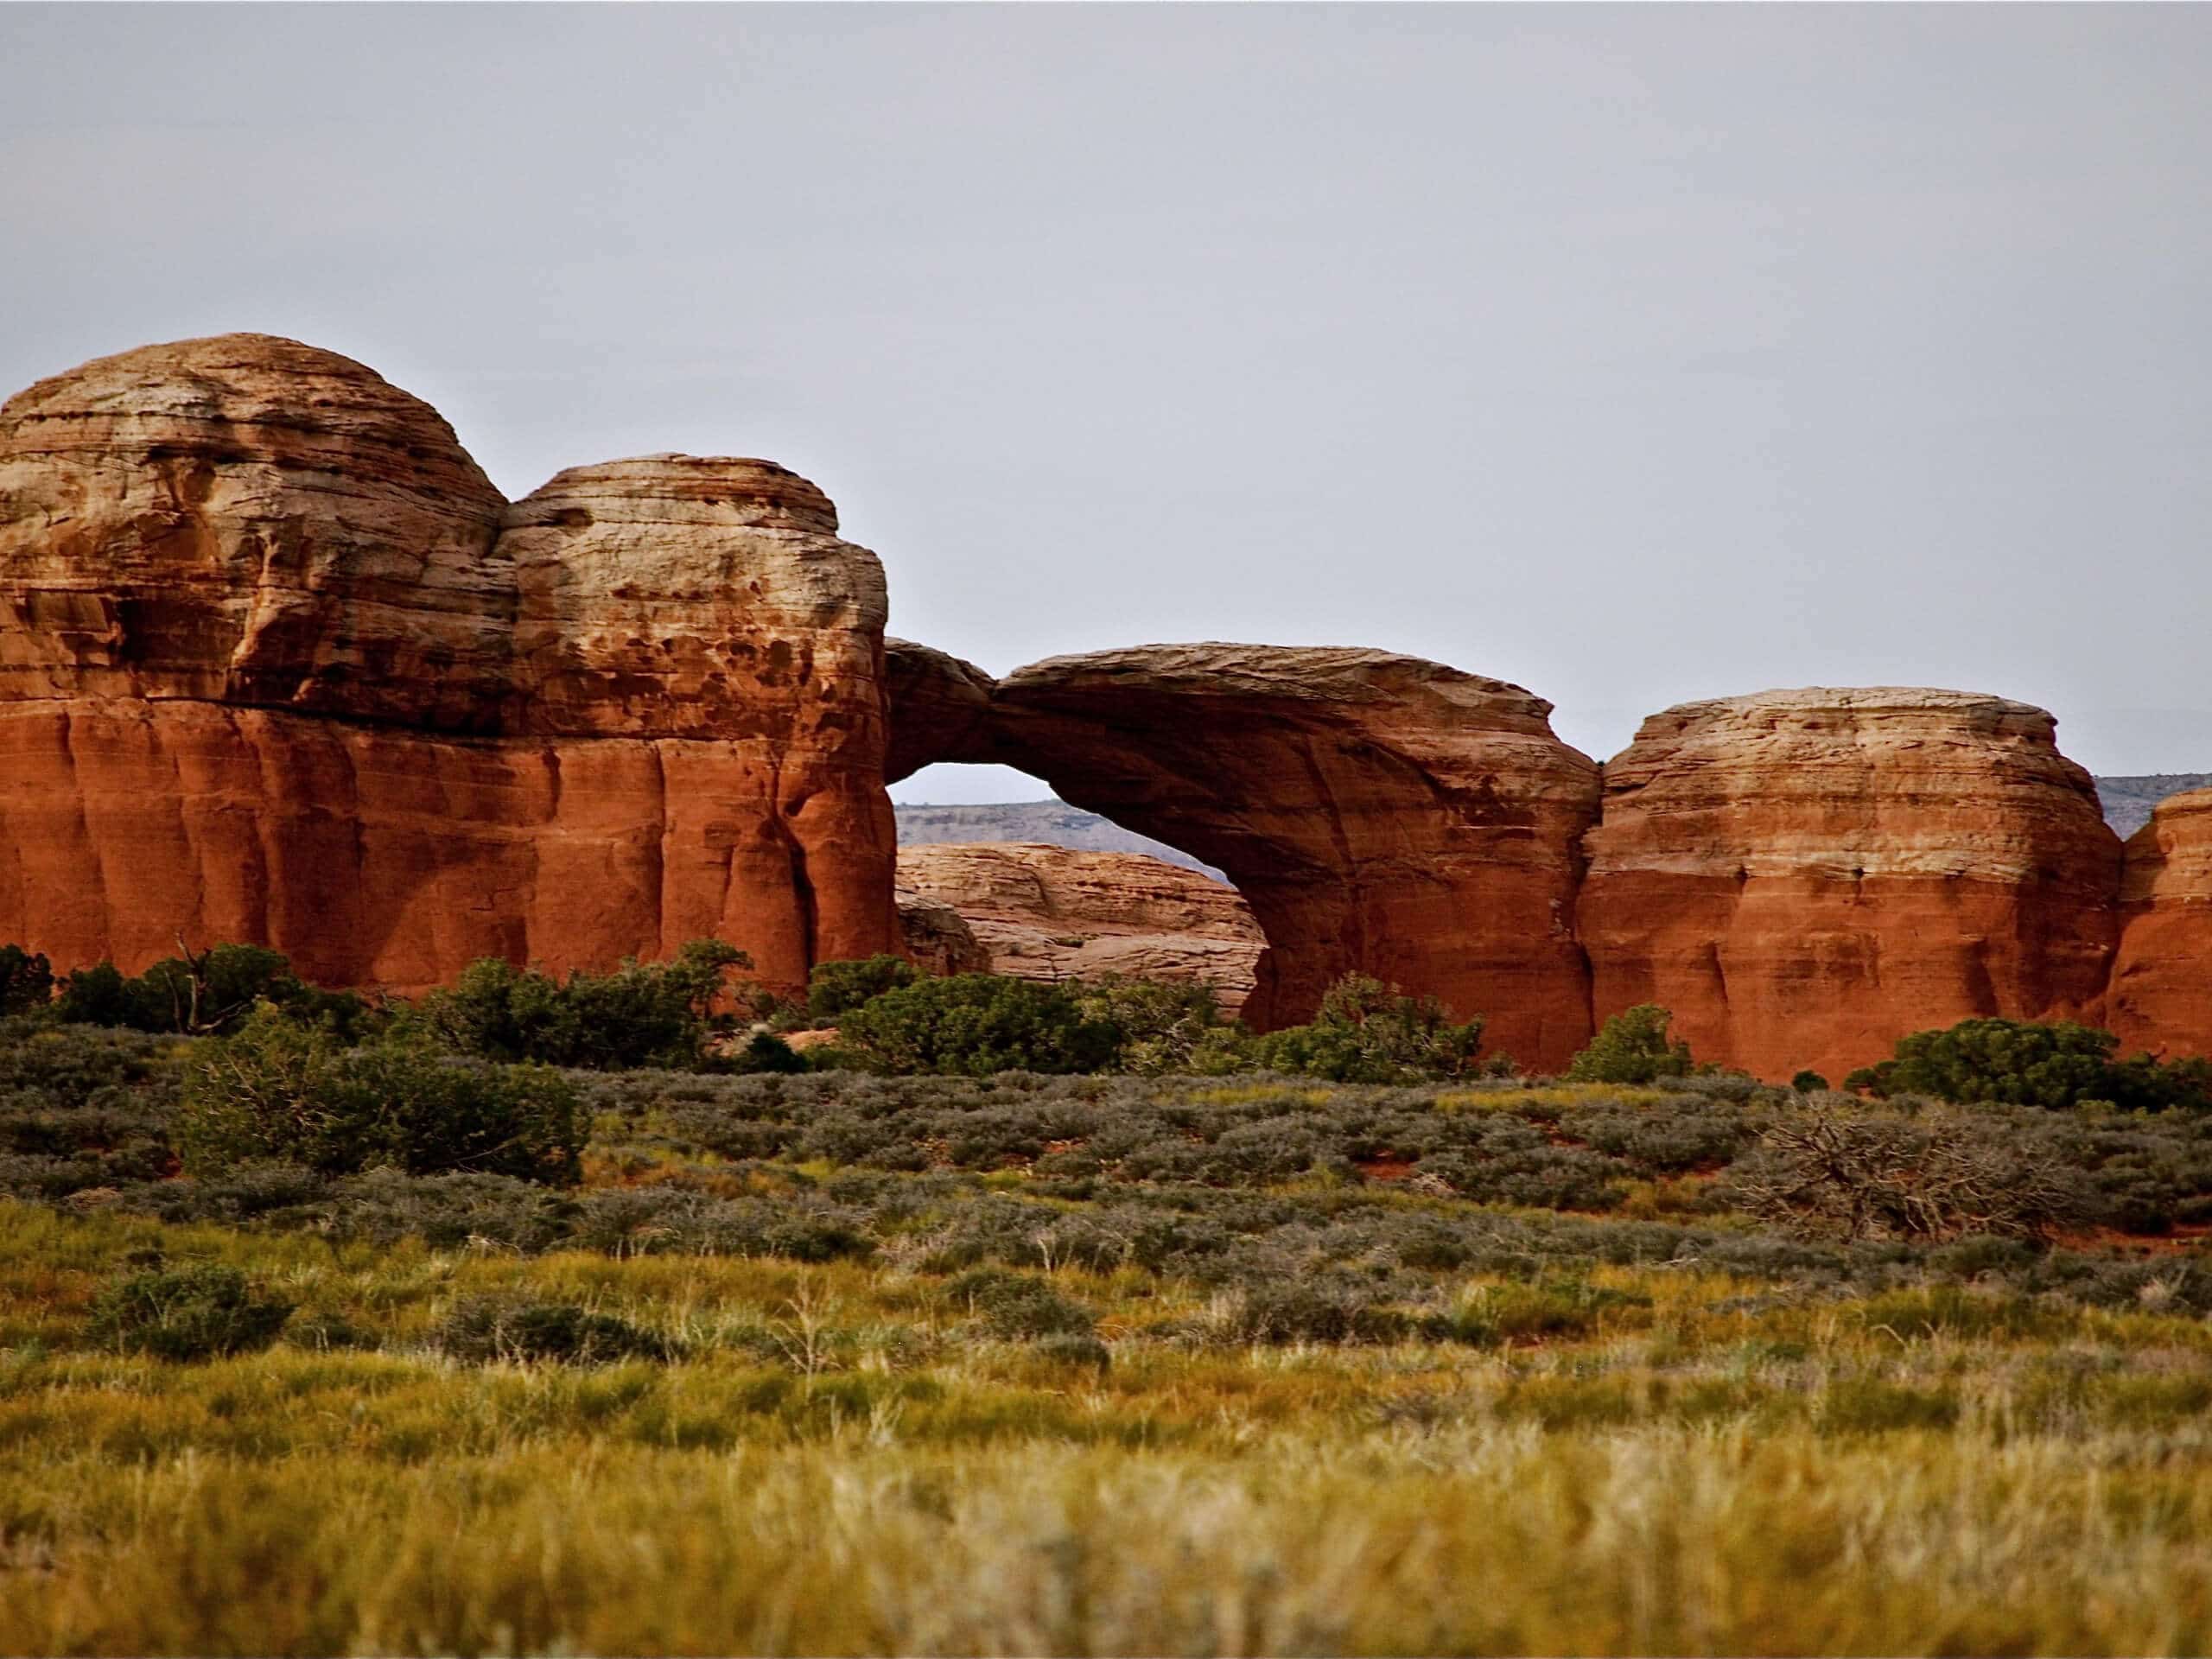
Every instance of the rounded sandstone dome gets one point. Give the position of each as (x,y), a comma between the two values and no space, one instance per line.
(689,595)
(244,519)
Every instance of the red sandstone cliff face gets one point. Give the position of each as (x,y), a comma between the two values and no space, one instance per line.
(1054,912)
(1804,876)
(1376,811)
(2161,994)
(647,710)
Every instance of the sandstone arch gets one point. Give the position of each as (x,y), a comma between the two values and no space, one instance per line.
(1379,812)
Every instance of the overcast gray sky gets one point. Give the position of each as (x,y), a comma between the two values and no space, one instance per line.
(1633,354)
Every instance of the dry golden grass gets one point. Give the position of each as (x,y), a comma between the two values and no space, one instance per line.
(839,1464)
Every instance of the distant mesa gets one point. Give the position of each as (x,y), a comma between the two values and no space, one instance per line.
(278,663)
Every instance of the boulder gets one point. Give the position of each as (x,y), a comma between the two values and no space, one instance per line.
(938,938)
(1803,876)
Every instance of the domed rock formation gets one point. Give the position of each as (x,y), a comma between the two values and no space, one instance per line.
(245,519)
(672,729)
(1376,811)
(1803,876)
(2161,994)
(1054,912)
(710,600)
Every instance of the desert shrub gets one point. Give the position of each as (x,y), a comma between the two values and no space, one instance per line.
(2033,1063)
(835,988)
(1368,1031)
(213,992)
(1515,1164)
(1075,1348)
(1159,1025)
(658,1014)
(763,1051)
(1810,1082)
(1316,1308)
(1534,1311)
(1632,1047)
(383,1206)
(1014,1305)
(480,1329)
(186,1313)
(26,981)
(973,1024)
(280,1091)
(1837,1169)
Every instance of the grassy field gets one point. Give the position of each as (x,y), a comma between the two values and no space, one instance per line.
(1102,1366)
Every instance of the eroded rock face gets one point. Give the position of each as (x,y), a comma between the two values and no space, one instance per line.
(1054,912)
(1803,876)
(2161,994)
(939,710)
(1376,811)
(246,519)
(938,938)
(647,710)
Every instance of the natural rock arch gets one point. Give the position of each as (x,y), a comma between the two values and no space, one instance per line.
(1379,812)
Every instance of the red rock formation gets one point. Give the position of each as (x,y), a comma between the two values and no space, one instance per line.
(248,520)
(1376,811)
(1053,912)
(2161,994)
(205,548)
(1803,876)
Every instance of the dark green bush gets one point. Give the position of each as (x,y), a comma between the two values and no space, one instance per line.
(1632,1047)
(280,1091)
(659,1013)
(26,981)
(973,1024)
(835,988)
(1368,1031)
(186,1313)
(1810,1082)
(479,1330)
(764,1052)
(210,994)
(2033,1063)
(1313,1308)
(1159,1025)
(1014,1305)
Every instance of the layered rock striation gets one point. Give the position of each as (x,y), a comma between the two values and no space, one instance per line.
(1802,876)
(278,664)
(1051,912)
(2161,994)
